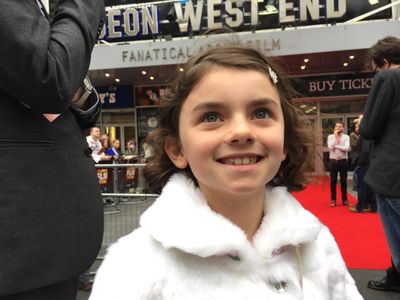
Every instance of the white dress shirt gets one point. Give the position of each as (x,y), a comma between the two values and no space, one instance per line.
(96,147)
(338,148)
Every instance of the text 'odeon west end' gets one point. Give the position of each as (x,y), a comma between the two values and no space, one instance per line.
(202,15)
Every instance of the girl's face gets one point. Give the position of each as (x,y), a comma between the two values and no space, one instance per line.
(231,132)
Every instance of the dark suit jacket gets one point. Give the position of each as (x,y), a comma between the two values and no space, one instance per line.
(50,208)
(381,123)
(360,153)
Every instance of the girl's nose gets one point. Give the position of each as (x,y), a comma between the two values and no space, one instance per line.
(239,132)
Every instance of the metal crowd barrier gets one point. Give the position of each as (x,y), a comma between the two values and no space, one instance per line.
(125,197)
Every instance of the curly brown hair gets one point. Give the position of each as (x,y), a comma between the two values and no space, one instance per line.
(386,48)
(298,141)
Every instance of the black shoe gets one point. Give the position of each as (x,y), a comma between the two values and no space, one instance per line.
(345,203)
(384,285)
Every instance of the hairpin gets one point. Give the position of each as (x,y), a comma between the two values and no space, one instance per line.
(273,75)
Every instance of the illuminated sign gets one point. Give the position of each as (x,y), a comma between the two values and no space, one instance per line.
(310,10)
(166,20)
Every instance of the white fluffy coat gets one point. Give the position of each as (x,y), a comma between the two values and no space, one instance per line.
(185,251)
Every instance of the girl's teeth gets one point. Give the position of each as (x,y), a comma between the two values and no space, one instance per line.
(241,161)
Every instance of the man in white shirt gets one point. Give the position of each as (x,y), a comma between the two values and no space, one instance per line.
(339,146)
(93,141)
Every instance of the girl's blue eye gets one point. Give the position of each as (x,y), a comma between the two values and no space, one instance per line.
(261,114)
(211,117)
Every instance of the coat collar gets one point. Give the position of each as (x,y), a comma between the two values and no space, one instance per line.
(180,218)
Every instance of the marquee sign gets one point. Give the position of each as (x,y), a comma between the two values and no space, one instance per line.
(334,85)
(116,96)
(183,18)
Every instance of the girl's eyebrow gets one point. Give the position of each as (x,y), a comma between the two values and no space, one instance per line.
(210,105)
(207,106)
(264,101)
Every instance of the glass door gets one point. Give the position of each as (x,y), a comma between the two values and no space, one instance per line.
(119,124)
(122,132)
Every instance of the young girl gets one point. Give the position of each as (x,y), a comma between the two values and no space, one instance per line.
(229,149)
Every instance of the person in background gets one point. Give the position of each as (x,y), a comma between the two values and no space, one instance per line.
(51,214)
(105,147)
(115,151)
(117,156)
(354,136)
(229,150)
(130,151)
(93,140)
(360,159)
(105,142)
(104,138)
(152,96)
(381,124)
(339,146)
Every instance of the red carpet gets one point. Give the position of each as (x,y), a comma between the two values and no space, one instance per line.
(360,236)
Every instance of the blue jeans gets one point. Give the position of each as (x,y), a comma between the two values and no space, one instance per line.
(389,211)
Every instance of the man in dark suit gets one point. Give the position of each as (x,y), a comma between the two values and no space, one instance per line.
(51,219)
(381,124)
(360,149)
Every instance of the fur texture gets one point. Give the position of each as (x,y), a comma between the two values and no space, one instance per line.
(184,250)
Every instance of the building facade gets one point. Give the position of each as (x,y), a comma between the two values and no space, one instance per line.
(321,44)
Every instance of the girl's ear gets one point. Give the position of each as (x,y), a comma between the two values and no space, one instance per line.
(174,153)
(284,155)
